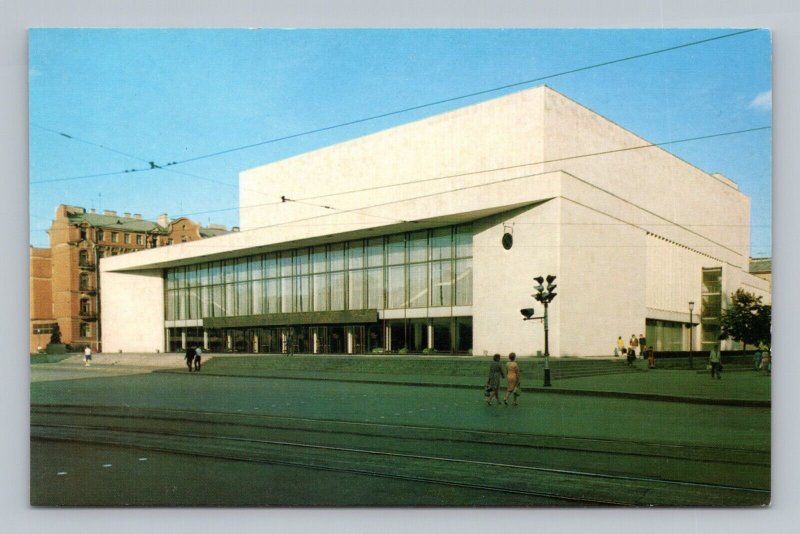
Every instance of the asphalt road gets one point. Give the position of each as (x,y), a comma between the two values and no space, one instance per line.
(291,442)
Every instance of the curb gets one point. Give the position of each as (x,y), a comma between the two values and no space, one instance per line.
(557,391)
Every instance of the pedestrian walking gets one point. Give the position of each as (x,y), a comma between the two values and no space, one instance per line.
(493,383)
(630,356)
(642,344)
(198,353)
(715,359)
(190,354)
(766,361)
(651,358)
(757,360)
(512,372)
(633,344)
(620,346)
(87,356)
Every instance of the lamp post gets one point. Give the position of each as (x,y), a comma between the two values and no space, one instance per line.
(691,345)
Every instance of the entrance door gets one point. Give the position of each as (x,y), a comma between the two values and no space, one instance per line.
(250,344)
(337,339)
(319,339)
(357,334)
(397,335)
(374,337)
(268,340)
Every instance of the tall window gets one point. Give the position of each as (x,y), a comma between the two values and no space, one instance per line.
(99,235)
(83,282)
(410,270)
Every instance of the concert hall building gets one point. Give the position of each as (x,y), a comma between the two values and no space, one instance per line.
(393,242)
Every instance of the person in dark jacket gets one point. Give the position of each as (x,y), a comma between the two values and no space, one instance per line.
(493,383)
(190,354)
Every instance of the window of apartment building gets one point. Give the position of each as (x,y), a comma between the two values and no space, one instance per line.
(86,330)
(99,235)
(83,257)
(84,282)
(44,328)
(139,239)
(169,241)
(127,238)
(83,233)
(85,307)
(115,237)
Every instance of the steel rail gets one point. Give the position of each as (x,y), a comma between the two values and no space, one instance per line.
(405,456)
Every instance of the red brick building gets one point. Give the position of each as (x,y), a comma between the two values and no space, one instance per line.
(64,281)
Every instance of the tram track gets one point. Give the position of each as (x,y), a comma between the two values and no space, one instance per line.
(533,465)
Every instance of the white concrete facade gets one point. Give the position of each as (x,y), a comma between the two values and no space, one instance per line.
(626,230)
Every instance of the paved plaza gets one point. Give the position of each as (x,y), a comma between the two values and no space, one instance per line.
(195,426)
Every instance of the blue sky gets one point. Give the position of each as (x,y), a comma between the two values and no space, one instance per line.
(169,95)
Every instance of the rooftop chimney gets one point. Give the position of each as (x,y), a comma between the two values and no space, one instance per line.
(127,214)
(110,213)
(137,215)
(93,210)
(163,220)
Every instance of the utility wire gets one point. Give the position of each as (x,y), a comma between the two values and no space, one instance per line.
(285,199)
(412,108)
(483,171)
(152,164)
(495,169)
(445,177)
(461,97)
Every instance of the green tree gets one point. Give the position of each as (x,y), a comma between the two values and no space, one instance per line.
(747,320)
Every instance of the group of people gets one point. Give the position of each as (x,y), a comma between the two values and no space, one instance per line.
(762,361)
(193,355)
(635,344)
(512,375)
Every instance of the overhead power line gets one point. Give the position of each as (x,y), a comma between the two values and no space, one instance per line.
(152,164)
(407,109)
(461,97)
(360,209)
(494,169)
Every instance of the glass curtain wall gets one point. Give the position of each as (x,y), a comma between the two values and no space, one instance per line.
(430,268)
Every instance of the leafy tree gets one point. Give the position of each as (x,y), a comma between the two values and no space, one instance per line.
(747,320)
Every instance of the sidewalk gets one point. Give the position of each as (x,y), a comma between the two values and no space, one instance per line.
(613,379)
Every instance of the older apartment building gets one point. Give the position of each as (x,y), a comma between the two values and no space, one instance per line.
(64,280)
